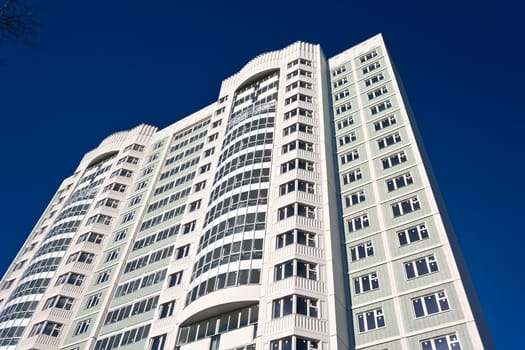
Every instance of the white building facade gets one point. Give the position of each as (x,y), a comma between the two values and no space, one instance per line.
(296,212)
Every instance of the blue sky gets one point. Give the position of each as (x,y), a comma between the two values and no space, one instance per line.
(102,66)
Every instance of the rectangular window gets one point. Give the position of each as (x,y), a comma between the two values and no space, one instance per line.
(375,79)
(189,227)
(442,342)
(343,108)
(297,164)
(209,152)
(295,304)
(298,97)
(59,302)
(354,198)
(298,144)
(296,237)
(112,255)
(412,234)
(341,94)
(338,71)
(406,206)
(299,84)
(346,122)
(421,267)
(166,309)
(299,61)
(368,56)
(204,168)
(128,217)
(384,123)
(82,327)
(340,82)
(430,304)
(377,92)
(199,186)
(213,137)
(389,140)
(175,279)
(48,328)
(103,277)
(394,159)
(297,268)
(399,182)
(352,176)
(194,205)
(93,300)
(296,209)
(297,185)
(361,251)
(370,320)
(371,67)
(366,283)
(298,111)
(381,107)
(182,252)
(308,129)
(158,342)
(358,223)
(348,138)
(75,279)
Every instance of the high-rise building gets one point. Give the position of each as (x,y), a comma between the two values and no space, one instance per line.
(296,212)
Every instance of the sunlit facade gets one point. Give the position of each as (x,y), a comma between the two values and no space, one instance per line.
(296,212)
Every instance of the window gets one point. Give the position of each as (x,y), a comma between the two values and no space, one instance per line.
(199,186)
(370,320)
(108,202)
(381,107)
(299,83)
(295,304)
(394,160)
(296,236)
(59,302)
(99,219)
(204,168)
(82,327)
(358,223)
(188,227)
(399,182)
(93,300)
(343,108)
(92,237)
(213,137)
(122,172)
(430,304)
(350,156)
(120,235)
(48,328)
(103,277)
(112,255)
(158,342)
(182,252)
(352,176)
(361,251)
(348,138)
(194,205)
(209,152)
(375,79)
(296,209)
(412,234)
(295,267)
(147,171)
(371,67)
(298,144)
(304,73)
(341,94)
(340,82)
(297,163)
(366,283)
(338,71)
(175,279)
(216,123)
(406,206)
(135,200)
(299,61)
(421,267)
(115,187)
(298,97)
(368,56)
(443,342)
(128,217)
(300,344)
(386,122)
(389,140)
(354,198)
(297,185)
(308,129)
(19,265)
(377,92)
(346,122)
(83,257)
(70,278)
(298,111)
(166,309)
(141,185)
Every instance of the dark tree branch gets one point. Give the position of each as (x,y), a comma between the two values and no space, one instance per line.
(16,22)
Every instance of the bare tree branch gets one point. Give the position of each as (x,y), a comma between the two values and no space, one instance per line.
(16,22)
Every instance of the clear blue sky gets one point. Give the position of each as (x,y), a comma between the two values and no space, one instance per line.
(103,66)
